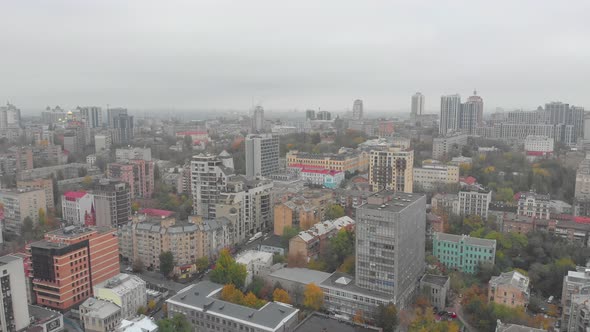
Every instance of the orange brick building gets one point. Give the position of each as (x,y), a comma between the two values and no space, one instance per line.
(70,261)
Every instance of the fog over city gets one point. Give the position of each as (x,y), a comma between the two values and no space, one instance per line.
(204,55)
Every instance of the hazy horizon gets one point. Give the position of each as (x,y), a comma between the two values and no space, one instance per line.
(227,55)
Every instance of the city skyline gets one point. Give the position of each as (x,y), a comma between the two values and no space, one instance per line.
(233,56)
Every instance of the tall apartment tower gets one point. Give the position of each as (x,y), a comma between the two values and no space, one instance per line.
(209,177)
(123,129)
(93,115)
(9,116)
(14,309)
(357,110)
(69,261)
(258,119)
(392,169)
(112,113)
(112,202)
(417,104)
(262,155)
(471,115)
(450,111)
(390,236)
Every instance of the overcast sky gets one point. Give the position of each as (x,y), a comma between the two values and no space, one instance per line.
(292,54)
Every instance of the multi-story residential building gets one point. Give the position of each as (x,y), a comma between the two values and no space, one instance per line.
(145,238)
(69,261)
(18,204)
(444,148)
(435,288)
(445,203)
(127,154)
(312,242)
(67,171)
(390,235)
(78,208)
(257,263)
(538,145)
(502,327)
(137,173)
(112,203)
(301,211)
(582,188)
(14,310)
(462,252)
(471,114)
(123,129)
(575,283)
(112,113)
(429,177)
(324,115)
(579,319)
(357,110)
(345,161)
(350,200)
(209,177)
(450,112)
(474,203)
(138,324)
(45,184)
(9,117)
(92,116)
(262,155)
(251,199)
(392,169)
(417,107)
(126,291)
(510,289)
(534,205)
(207,312)
(99,315)
(258,119)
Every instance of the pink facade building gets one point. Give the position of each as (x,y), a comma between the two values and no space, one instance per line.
(138,174)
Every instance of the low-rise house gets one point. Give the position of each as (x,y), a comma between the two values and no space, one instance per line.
(312,242)
(138,324)
(258,263)
(435,288)
(510,288)
(99,315)
(126,291)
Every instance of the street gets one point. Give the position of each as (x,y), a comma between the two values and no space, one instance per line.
(457,308)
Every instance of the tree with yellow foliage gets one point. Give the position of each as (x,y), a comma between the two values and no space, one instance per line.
(231,294)
(358,317)
(313,297)
(281,295)
(250,300)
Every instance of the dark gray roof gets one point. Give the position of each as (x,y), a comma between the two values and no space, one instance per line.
(434,279)
(316,322)
(396,202)
(474,241)
(8,258)
(204,295)
(352,287)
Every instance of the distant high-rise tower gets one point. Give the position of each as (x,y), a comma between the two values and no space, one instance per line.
(258,119)
(390,236)
(357,109)
(112,113)
(450,111)
(123,125)
(471,114)
(9,117)
(417,104)
(262,155)
(310,115)
(92,115)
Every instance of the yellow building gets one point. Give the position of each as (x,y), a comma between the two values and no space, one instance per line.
(392,169)
(346,161)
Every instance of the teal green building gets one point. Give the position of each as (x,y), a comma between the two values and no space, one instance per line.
(462,252)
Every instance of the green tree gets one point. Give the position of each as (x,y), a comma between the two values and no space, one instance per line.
(166,263)
(335,211)
(288,233)
(227,271)
(386,317)
(178,323)
(202,263)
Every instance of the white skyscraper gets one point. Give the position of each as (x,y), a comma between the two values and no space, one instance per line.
(92,115)
(262,155)
(357,109)
(14,309)
(417,104)
(9,117)
(450,113)
(258,120)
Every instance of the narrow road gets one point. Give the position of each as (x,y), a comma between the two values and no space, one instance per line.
(72,324)
(459,311)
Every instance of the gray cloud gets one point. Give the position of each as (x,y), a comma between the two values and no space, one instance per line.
(292,55)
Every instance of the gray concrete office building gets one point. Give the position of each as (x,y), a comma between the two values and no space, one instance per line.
(390,236)
(262,155)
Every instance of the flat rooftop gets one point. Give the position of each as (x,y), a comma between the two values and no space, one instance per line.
(301,275)
(390,201)
(319,323)
(203,297)
(345,282)
(435,280)
(8,259)
(474,241)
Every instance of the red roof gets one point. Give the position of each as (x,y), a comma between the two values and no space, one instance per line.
(74,194)
(582,220)
(320,171)
(156,212)
(470,180)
